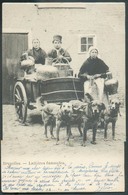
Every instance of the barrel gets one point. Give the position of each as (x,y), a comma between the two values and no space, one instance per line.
(62,89)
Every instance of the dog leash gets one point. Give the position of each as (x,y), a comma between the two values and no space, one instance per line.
(75,88)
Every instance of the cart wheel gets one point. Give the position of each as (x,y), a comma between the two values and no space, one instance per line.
(20,102)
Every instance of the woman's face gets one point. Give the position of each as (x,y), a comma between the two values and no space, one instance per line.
(93,53)
(57,44)
(36,44)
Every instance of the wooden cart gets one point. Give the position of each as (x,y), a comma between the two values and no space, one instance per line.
(57,90)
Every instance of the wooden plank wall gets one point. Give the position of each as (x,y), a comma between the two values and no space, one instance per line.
(13,45)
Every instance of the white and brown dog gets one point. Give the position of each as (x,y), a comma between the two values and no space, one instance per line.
(111,116)
(64,117)
(57,115)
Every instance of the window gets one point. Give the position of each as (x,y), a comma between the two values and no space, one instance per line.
(85,42)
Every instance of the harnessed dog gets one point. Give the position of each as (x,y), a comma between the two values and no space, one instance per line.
(56,115)
(64,117)
(91,119)
(111,116)
(79,108)
(49,112)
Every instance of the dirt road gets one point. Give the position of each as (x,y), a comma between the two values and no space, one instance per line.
(29,141)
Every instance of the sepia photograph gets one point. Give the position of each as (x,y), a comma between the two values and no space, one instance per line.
(63,97)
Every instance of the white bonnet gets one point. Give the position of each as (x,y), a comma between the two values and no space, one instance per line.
(93,48)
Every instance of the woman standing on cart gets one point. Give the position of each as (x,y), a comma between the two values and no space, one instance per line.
(58,54)
(93,72)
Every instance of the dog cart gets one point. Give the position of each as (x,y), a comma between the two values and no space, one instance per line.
(60,88)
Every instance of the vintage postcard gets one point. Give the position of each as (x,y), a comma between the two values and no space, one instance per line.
(63,97)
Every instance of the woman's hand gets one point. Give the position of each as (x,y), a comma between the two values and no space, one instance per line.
(89,77)
(85,75)
(97,75)
(60,57)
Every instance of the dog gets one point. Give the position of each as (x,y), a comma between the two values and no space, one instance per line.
(79,108)
(49,111)
(111,116)
(64,117)
(57,115)
(91,119)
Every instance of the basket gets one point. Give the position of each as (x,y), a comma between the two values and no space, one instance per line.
(27,61)
(111,86)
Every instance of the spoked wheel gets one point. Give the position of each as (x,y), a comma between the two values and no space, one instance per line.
(20,102)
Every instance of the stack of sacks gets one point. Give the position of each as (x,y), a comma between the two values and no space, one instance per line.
(27,61)
(44,72)
(31,77)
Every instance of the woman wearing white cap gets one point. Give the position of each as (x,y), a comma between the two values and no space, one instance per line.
(91,72)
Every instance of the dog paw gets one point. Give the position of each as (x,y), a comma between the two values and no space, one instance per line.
(114,139)
(67,143)
(83,144)
(52,137)
(57,143)
(105,139)
(25,124)
(71,144)
(46,139)
(93,142)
